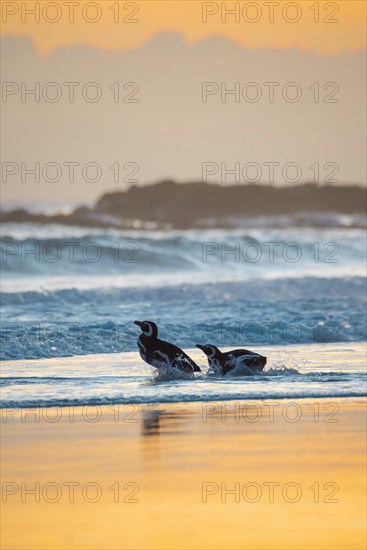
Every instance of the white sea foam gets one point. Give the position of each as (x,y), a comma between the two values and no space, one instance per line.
(331,371)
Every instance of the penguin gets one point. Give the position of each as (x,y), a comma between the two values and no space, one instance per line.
(242,360)
(159,353)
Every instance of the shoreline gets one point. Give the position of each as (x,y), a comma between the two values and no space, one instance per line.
(14,410)
(296,372)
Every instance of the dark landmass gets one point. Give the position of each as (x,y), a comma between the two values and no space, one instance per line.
(168,204)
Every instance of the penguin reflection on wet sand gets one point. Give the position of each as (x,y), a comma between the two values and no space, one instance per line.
(237,361)
(159,353)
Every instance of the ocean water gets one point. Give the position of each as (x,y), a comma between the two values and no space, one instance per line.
(305,371)
(72,291)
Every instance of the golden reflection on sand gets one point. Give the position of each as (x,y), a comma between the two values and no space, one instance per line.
(186,476)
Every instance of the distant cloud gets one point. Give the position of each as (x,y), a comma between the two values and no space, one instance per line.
(171,109)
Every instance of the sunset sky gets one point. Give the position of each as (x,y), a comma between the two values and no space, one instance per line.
(168,49)
(346,33)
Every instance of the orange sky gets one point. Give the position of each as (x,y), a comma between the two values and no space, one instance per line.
(185,16)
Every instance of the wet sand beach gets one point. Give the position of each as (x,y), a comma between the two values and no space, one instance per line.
(254,475)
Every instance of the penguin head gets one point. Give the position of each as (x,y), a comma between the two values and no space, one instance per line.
(148,328)
(209,350)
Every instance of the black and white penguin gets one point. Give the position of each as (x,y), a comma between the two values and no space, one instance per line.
(242,361)
(159,353)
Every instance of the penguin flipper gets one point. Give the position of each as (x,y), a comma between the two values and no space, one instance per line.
(185,363)
(159,359)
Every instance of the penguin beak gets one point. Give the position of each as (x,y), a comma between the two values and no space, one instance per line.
(200,347)
(138,323)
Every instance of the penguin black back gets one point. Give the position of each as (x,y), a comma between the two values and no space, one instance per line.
(159,353)
(247,361)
